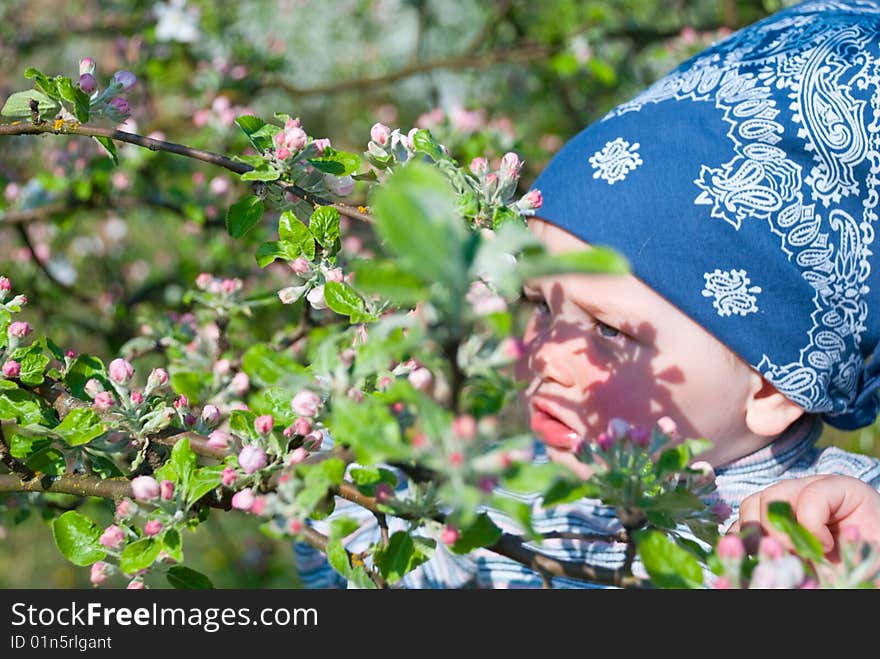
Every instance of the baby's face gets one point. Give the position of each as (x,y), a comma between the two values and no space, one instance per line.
(605,346)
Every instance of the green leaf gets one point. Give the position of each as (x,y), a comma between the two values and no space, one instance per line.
(385,278)
(565,491)
(600,260)
(77,98)
(780,515)
(338,558)
(269,367)
(417,218)
(109,146)
(32,367)
(184,462)
(291,230)
(21,445)
(80,426)
(481,533)
(372,476)
(338,163)
(78,538)
(244,216)
(203,481)
(81,370)
(324,225)
(18,105)
(139,555)
(369,428)
(103,465)
(425,143)
(43,82)
(673,460)
(184,578)
(48,461)
(668,564)
(529,477)
(173,545)
(345,301)
(398,558)
(269,251)
(258,132)
(319,479)
(24,407)
(241,422)
(602,71)
(262,172)
(342,526)
(190,384)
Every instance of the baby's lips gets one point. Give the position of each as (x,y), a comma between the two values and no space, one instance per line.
(553,432)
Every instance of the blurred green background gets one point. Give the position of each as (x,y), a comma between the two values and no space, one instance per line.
(101,250)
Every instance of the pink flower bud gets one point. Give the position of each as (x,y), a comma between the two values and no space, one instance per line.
(166,490)
(228,476)
(306,403)
(465,426)
(618,428)
(189,419)
(5,285)
(86,65)
(158,378)
(136,397)
(295,526)
(93,387)
(219,439)
(384,492)
(112,537)
(19,329)
(335,274)
(136,584)
(240,383)
(290,294)
(770,548)
(510,165)
(316,297)
(103,401)
(88,83)
(721,511)
(126,79)
(479,166)
(355,394)
(419,440)
(99,572)
(296,138)
(264,424)
(251,458)
(125,508)
(640,436)
(120,105)
(449,535)
(321,144)
(296,456)
(204,280)
(605,441)
(219,185)
(380,134)
(730,548)
(12,369)
(222,367)
(456,458)
(706,475)
(243,500)
(153,527)
(145,488)
(341,186)
(532,200)
(211,415)
(292,123)
(121,371)
(513,347)
(283,153)
(722,583)
(668,427)
(181,402)
(313,441)
(259,506)
(301,265)
(302,426)
(421,378)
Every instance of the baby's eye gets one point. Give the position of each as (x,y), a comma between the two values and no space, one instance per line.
(537,301)
(607,331)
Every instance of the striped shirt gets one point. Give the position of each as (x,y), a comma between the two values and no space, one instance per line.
(793,455)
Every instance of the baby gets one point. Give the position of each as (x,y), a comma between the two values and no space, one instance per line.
(742,187)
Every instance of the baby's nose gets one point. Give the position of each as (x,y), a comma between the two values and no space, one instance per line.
(551,358)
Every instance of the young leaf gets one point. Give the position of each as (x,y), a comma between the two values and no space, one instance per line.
(668,564)
(805,543)
(324,225)
(345,301)
(481,533)
(398,558)
(338,163)
(291,230)
(78,538)
(139,555)
(18,105)
(109,146)
(244,216)
(184,578)
(80,426)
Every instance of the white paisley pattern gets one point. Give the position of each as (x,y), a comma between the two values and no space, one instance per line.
(615,160)
(731,292)
(830,75)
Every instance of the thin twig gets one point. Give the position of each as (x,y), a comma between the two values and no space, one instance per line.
(26,239)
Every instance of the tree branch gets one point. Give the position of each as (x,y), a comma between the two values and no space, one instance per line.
(20,128)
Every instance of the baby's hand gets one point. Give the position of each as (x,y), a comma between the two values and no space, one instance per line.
(822,504)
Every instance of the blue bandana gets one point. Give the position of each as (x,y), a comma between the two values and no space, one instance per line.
(743,187)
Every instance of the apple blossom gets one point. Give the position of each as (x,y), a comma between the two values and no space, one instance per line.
(112,537)
(103,401)
(228,476)
(251,458)
(19,329)
(153,527)
(12,369)
(121,371)
(125,79)
(243,500)
(296,456)
(99,572)
(145,488)
(264,424)
(219,439)
(306,403)
(88,83)
(211,415)
(166,490)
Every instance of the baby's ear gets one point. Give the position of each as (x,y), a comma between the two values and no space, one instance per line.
(768,412)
